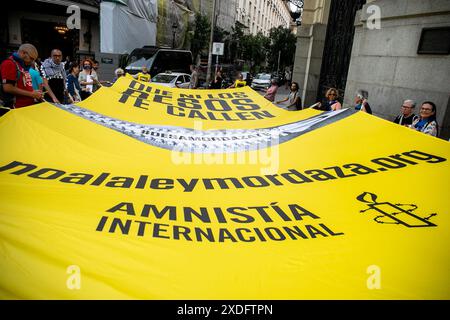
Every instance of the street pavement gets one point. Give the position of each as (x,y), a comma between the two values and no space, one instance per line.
(282,93)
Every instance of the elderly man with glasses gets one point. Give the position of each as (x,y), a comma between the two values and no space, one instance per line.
(54,75)
(407,116)
(16,83)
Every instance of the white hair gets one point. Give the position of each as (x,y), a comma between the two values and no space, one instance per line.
(118,70)
(411,102)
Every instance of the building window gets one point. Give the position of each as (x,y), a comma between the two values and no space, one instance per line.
(434,41)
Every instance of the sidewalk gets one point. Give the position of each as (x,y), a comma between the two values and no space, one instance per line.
(282,93)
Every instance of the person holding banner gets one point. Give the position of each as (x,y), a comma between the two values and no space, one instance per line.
(407,115)
(119,73)
(16,83)
(217,82)
(143,76)
(39,84)
(361,103)
(272,91)
(332,103)
(294,100)
(239,83)
(426,122)
(54,75)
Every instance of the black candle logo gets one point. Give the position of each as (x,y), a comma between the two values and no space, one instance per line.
(398,213)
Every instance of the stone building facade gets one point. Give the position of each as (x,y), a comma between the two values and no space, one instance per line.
(384,61)
(262,15)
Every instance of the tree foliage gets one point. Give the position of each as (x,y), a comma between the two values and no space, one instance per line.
(200,39)
(282,42)
(237,34)
(256,50)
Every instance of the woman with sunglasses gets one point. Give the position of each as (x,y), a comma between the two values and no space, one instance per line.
(332,103)
(426,122)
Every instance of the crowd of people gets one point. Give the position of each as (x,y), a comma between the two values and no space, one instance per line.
(425,121)
(25,81)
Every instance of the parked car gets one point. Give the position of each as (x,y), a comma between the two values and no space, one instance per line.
(279,77)
(261,81)
(158,60)
(172,79)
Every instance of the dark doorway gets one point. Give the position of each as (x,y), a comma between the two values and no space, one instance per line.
(338,46)
(49,35)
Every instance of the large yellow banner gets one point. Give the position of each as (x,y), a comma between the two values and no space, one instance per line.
(147,192)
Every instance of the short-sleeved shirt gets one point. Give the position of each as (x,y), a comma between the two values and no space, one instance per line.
(56,79)
(36,78)
(293,101)
(240,83)
(12,73)
(83,77)
(271,92)
(143,77)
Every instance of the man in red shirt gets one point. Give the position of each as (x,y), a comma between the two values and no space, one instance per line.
(16,80)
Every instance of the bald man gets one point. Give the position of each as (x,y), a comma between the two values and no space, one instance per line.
(54,75)
(17,88)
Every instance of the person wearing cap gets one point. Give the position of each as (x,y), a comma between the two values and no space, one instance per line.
(17,86)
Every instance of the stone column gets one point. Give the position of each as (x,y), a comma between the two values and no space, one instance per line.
(310,43)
